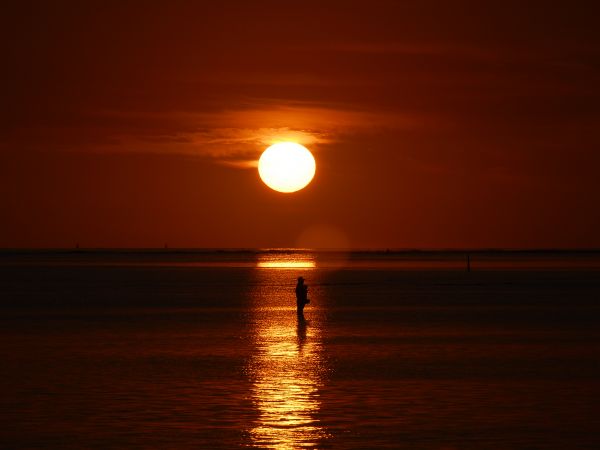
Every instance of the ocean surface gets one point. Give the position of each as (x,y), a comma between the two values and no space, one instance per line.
(403,350)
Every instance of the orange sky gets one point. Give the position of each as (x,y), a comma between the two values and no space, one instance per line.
(435,126)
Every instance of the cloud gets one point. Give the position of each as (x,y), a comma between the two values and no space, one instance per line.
(237,137)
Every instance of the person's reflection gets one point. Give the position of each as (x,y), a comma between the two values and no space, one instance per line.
(301,333)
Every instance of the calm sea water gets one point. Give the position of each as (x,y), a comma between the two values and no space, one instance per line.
(204,350)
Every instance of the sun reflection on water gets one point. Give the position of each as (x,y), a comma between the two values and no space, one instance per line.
(291,261)
(286,369)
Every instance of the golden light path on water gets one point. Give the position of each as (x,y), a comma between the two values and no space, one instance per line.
(287,366)
(286,262)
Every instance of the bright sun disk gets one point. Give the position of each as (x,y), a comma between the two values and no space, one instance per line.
(286,167)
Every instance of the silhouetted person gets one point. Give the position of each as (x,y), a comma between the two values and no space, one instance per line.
(301,296)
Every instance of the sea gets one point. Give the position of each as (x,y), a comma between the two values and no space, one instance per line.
(407,349)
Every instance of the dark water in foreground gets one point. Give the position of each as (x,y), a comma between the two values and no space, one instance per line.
(205,351)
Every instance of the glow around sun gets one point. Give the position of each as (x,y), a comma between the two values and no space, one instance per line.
(286,167)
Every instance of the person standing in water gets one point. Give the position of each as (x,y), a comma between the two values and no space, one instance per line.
(301,296)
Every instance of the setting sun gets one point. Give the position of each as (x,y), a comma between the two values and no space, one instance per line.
(286,167)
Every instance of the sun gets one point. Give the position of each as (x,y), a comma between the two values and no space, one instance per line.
(286,167)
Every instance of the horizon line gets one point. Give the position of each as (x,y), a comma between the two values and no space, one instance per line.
(167,249)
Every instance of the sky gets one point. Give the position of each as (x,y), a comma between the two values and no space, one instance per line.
(433,124)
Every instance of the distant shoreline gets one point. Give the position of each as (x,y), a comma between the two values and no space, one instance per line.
(407,252)
(308,259)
